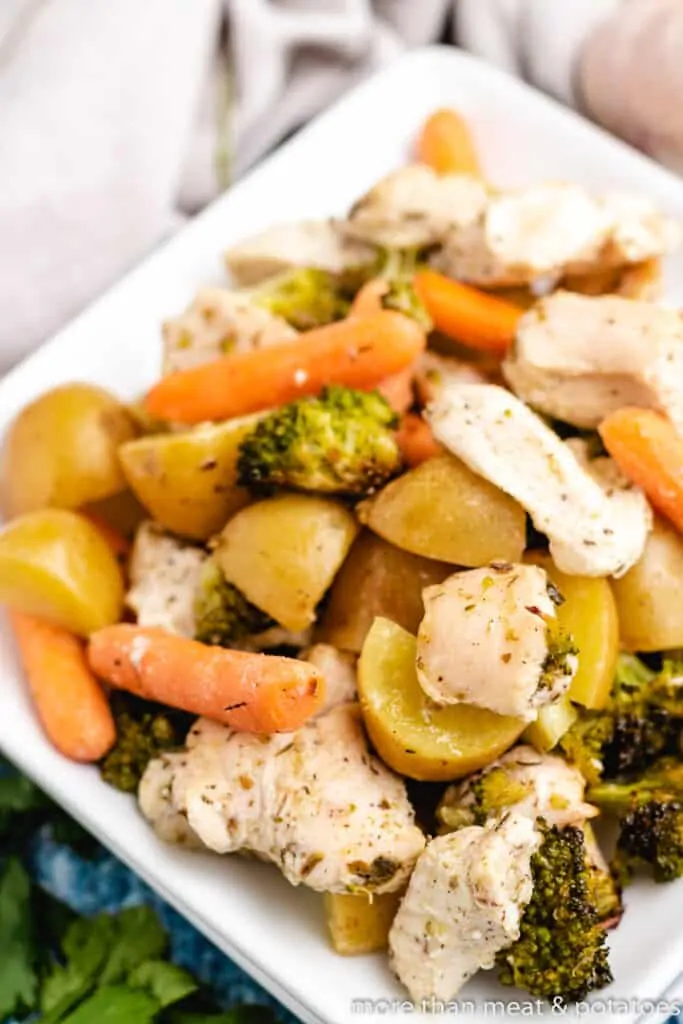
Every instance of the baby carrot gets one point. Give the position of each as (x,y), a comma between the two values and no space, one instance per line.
(368,298)
(446,145)
(466,314)
(647,449)
(357,352)
(398,389)
(249,692)
(416,441)
(69,700)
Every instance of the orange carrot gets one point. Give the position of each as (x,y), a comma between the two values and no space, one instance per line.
(368,298)
(398,389)
(648,450)
(249,692)
(446,145)
(466,314)
(358,352)
(119,545)
(416,441)
(68,698)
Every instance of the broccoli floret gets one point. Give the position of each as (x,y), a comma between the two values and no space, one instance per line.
(306,297)
(635,728)
(340,443)
(561,952)
(222,614)
(651,836)
(402,297)
(143,730)
(485,795)
(650,809)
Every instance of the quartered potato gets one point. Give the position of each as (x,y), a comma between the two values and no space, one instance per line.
(284,552)
(553,721)
(360,924)
(411,734)
(188,481)
(650,596)
(589,614)
(56,565)
(123,512)
(62,450)
(442,510)
(377,579)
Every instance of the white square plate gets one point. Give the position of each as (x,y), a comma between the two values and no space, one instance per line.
(275,932)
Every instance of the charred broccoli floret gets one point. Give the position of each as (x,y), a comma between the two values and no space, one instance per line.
(561,951)
(306,297)
(605,888)
(222,614)
(143,730)
(340,443)
(635,728)
(651,825)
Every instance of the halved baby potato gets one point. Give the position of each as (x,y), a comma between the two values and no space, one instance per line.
(411,734)
(377,579)
(442,510)
(589,614)
(56,565)
(284,552)
(359,924)
(650,596)
(188,481)
(62,450)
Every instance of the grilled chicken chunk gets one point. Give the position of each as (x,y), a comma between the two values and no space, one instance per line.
(164,575)
(545,231)
(522,781)
(463,905)
(596,522)
(578,358)
(219,322)
(489,637)
(416,207)
(312,243)
(314,802)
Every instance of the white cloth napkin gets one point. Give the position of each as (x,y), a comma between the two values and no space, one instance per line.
(118,119)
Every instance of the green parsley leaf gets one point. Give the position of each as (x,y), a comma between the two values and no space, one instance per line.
(115,1004)
(139,936)
(167,982)
(18,950)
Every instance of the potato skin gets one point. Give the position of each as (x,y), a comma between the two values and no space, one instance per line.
(377,579)
(442,510)
(650,596)
(359,924)
(589,613)
(284,552)
(413,736)
(56,565)
(188,481)
(62,450)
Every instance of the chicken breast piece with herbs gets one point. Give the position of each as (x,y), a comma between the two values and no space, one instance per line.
(596,522)
(578,358)
(316,802)
(416,207)
(523,781)
(490,637)
(542,232)
(339,671)
(463,905)
(164,577)
(219,322)
(313,243)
